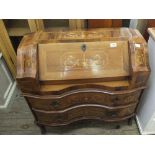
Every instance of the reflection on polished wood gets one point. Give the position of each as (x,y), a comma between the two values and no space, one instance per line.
(66,76)
(70,62)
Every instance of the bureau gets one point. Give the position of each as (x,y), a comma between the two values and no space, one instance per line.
(68,76)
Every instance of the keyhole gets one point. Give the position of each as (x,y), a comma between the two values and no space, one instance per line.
(83,47)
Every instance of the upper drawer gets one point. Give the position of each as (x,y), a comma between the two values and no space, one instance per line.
(58,103)
(107,60)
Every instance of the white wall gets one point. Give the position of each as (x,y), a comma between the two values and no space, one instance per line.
(146,113)
(139,24)
(7,84)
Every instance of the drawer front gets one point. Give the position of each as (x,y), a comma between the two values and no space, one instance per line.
(82,98)
(83,112)
(125,99)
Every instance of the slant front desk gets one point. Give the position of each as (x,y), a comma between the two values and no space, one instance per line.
(88,74)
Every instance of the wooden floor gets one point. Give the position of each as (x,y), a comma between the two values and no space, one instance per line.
(18,120)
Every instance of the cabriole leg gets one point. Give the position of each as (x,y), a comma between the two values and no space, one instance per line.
(118,126)
(130,121)
(43,129)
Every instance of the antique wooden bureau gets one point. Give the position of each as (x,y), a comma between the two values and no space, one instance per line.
(85,74)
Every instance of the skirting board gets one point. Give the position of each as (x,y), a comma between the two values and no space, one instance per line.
(142,132)
(9,96)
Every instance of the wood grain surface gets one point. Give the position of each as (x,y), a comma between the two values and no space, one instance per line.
(17,119)
(68,76)
(70,62)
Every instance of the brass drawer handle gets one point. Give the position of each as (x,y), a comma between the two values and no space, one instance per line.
(112,114)
(115,99)
(55,104)
(59,117)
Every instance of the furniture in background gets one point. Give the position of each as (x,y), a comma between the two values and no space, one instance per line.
(12,31)
(67,76)
(150,23)
(107,23)
(139,24)
(104,23)
(7,84)
(146,112)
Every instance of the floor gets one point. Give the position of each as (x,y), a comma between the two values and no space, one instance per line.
(17,119)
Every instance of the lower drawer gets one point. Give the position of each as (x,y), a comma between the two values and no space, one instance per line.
(83,112)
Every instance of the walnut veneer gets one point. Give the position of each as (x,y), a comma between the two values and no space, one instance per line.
(88,74)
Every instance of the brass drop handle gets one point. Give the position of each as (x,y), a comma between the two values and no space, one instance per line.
(59,117)
(115,99)
(55,104)
(112,113)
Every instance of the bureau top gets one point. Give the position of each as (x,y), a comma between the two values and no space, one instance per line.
(82,35)
(87,55)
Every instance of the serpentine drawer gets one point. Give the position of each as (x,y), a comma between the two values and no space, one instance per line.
(69,115)
(48,103)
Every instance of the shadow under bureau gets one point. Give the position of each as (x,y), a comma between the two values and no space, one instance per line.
(68,76)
